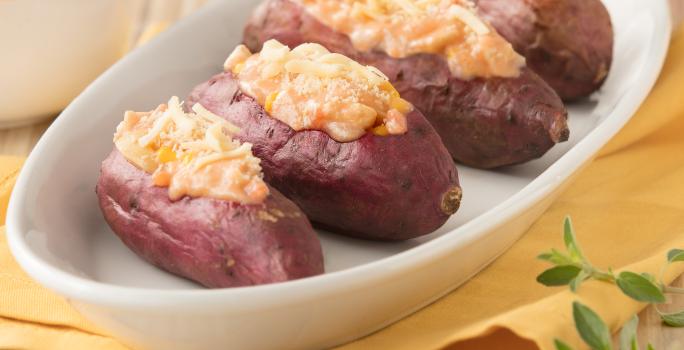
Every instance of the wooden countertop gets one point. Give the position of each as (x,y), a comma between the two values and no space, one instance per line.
(20,141)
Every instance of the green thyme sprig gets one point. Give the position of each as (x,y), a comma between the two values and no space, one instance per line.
(571,268)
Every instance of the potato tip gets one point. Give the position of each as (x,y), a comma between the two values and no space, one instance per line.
(451,200)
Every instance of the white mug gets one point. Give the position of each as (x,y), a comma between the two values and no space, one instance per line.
(51,50)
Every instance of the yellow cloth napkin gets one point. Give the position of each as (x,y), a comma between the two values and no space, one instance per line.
(628,209)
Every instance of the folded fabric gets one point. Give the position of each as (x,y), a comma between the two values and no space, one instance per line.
(627,207)
(9,170)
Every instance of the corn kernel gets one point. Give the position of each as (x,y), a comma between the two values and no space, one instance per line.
(401,105)
(387,86)
(161,178)
(269,101)
(380,130)
(165,155)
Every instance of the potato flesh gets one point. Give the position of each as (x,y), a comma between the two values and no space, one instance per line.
(309,88)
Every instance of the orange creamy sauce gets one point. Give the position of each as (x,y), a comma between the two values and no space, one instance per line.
(193,154)
(450,28)
(310,88)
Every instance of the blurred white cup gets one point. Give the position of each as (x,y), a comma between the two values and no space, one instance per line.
(51,49)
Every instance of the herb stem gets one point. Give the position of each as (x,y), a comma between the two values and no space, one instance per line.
(673,290)
(595,273)
(603,276)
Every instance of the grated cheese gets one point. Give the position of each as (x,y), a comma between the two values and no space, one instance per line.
(193,154)
(469,18)
(401,28)
(238,55)
(245,150)
(309,87)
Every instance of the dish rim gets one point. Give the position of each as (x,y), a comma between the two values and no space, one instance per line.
(250,297)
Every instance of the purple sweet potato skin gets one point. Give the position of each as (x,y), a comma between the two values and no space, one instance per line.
(568,43)
(485,123)
(213,242)
(376,187)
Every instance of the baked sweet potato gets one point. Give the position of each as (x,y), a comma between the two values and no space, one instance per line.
(485,123)
(376,187)
(568,43)
(185,196)
(214,242)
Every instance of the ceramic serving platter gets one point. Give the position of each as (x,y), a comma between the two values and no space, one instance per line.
(59,237)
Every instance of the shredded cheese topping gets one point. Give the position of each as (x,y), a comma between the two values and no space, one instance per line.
(401,28)
(192,154)
(310,88)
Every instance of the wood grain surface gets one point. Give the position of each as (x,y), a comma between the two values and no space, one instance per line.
(20,141)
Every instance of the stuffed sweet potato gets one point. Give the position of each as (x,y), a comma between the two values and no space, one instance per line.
(337,139)
(568,43)
(186,198)
(489,109)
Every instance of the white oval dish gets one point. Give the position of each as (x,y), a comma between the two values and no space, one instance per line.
(59,237)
